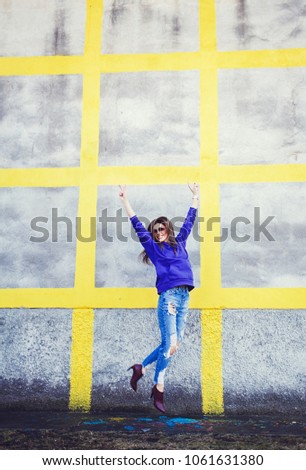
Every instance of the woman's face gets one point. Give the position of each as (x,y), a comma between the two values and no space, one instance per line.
(160,233)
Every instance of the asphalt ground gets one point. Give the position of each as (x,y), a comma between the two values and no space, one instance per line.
(52,430)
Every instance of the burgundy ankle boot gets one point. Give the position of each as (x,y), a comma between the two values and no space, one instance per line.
(158,399)
(137,374)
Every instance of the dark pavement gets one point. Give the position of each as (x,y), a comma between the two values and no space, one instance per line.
(119,430)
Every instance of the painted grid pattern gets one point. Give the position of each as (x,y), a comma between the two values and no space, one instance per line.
(210,297)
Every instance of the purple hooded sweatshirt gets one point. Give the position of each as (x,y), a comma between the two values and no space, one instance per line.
(172,269)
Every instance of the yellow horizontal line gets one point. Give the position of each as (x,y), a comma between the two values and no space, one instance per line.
(148,175)
(59,65)
(123,297)
(267,58)
(53,177)
(40,177)
(261,173)
(115,63)
(151,175)
(265,298)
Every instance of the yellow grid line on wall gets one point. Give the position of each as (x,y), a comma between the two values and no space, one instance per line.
(82,332)
(211,361)
(81,359)
(210,253)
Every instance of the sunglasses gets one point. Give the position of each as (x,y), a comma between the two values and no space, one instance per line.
(159,230)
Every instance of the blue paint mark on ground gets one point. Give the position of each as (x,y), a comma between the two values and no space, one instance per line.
(98,421)
(129,428)
(174,421)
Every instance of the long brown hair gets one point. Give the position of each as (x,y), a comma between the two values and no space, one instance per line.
(170,232)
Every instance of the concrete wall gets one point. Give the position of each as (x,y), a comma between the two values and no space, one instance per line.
(154,94)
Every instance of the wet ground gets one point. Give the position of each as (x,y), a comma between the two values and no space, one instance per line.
(67,430)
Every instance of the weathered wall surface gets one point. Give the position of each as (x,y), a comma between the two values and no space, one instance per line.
(264,360)
(40,121)
(35,348)
(274,256)
(154,94)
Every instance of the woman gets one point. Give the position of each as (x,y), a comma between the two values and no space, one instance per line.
(174,281)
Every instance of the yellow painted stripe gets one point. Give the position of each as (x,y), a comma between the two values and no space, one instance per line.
(210,274)
(210,266)
(262,173)
(207,20)
(42,65)
(152,175)
(40,177)
(85,251)
(212,384)
(82,337)
(137,297)
(116,63)
(274,298)
(148,175)
(81,360)
(268,59)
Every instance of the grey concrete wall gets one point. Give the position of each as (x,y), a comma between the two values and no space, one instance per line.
(133,26)
(40,121)
(250,25)
(42,28)
(35,358)
(262,116)
(150,118)
(264,361)
(275,258)
(30,257)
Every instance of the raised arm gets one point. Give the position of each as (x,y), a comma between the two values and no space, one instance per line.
(143,234)
(191,215)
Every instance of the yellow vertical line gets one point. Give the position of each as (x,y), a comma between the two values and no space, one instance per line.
(81,360)
(82,330)
(212,384)
(85,251)
(208,35)
(210,200)
(210,273)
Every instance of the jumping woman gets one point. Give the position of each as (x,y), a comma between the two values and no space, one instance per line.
(168,254)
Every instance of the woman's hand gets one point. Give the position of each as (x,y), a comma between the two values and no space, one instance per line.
(194,188)
(122,192)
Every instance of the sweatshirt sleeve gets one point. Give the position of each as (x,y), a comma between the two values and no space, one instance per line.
(143,234)
(187,225)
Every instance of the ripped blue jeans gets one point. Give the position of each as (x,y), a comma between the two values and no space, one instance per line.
(172,313)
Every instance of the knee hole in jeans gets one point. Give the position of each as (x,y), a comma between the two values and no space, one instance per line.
(171,308)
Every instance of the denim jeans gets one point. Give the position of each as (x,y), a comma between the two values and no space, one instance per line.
(172,313)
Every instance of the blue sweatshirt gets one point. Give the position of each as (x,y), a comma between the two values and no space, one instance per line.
(172,269)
